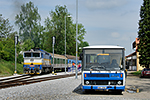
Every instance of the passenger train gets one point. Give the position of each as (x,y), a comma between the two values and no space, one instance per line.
(103,68)
(37,61)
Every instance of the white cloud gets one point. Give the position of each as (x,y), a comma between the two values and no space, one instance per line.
(104,4)
(115,35)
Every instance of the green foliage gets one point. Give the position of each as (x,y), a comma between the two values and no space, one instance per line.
(20,59)
(136,73)
(29,23)
(82,44)
(56,27)
(28,44)
(144,34)
(7,50)
(7,68)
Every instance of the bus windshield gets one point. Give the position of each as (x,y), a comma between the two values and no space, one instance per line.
(103,60)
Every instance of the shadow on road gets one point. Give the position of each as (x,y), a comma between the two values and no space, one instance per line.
(78,90)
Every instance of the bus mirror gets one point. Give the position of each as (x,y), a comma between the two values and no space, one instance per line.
(81,56)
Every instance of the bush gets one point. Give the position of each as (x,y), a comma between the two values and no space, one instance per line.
(20,58)
(5,55)
(136,73)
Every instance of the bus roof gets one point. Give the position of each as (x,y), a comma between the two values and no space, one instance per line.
(103,46)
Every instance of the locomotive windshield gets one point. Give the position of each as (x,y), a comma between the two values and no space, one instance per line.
(36,54)
(31,54)
(27,54)
(103,60)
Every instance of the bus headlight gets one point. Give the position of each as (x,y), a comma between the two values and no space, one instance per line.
(119,82)
(87,82)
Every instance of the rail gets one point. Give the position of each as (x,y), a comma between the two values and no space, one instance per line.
(26,79)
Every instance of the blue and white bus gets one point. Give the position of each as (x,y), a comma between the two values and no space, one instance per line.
(103,68)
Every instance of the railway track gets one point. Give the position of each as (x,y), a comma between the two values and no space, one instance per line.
(27,79)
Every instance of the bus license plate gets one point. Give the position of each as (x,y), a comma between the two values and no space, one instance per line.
(101,87)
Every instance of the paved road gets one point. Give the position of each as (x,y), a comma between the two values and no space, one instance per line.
(69,89)
(143,84)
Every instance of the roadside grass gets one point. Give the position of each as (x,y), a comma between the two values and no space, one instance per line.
(136,73)
(7,68)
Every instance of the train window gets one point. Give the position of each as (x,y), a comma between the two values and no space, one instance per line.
(58,61)
(52,61)
(69,62)
(64,61)
(27,54)
(55,61)
(36,54)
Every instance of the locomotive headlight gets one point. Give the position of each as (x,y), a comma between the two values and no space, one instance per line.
(87,82)
(119,82)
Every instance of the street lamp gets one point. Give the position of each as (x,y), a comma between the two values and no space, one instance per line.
(16,42)
(65,42)
(76,33)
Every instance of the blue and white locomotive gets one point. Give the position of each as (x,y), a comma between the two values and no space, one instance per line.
(36,61)
(103,68)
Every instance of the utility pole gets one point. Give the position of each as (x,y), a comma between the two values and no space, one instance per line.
(65,44)
(53,53)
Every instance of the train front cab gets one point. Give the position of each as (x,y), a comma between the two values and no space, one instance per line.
(36,62)
(32,62)
(99,74)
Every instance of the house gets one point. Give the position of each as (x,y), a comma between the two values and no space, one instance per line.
(133,59)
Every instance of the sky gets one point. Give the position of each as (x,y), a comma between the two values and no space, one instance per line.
(110,22)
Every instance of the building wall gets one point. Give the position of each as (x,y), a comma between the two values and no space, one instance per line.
(139,67)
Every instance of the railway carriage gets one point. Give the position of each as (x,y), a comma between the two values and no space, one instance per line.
(59,62)
(103,68)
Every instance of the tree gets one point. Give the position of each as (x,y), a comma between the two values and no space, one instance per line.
(8,49)
(6,42)
(5,28)
(29,23)
(28,44)
(56,27)
(144,34)
(81,45)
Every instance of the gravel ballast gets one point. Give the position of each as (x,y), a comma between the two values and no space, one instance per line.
(61,89)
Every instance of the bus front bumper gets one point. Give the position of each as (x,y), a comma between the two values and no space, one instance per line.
(103,88)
